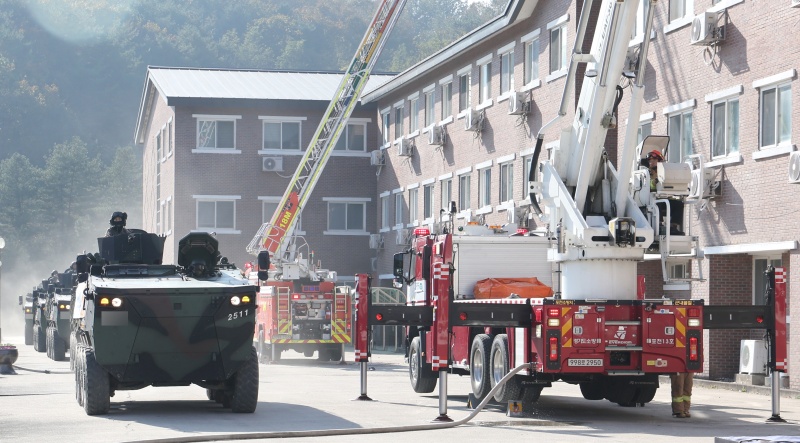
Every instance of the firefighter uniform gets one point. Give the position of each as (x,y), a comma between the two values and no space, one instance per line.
(681,393)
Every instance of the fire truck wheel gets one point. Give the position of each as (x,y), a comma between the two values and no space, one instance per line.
(245,386)
(96,389)
(335,354)
(500,367)
(28,334)
(261,347)
(479,365)
(423,379)
(592,390)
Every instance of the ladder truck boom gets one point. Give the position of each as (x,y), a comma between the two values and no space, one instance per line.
(276,237)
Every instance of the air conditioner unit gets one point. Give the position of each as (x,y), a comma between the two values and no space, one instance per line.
(272,164)
(375,241)
(402,236)
(405,148)
(753,357)
(518,104)
(705,30)
(373,263)
(436,136)
(794,166)
(376,158)
(473,120)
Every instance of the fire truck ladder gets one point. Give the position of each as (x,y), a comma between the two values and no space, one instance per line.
(275,236)
(339,321)
(284,301)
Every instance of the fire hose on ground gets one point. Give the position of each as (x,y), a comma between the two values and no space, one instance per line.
(353,431)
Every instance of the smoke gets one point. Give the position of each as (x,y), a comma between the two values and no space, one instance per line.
(80,22)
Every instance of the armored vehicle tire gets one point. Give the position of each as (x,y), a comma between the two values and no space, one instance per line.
(96,392)
(423,380)
(79,365)
(530,395)
(39,339)
(262,348)
(499,365)
(479,365)
(245,386)
(72,350)
(28,334)
(210,394)
(59,347)
(48,340)
(592,390)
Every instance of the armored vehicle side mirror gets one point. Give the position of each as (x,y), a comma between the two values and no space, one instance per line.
(263,265)
(20,300)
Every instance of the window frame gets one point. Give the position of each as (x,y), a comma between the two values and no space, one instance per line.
(464,88)
(558,25)
(386,126)
(484,187)
(506,188)
(413,206)
(484,80)
(531,47)
(506,55)
(281,121)
(445,188)
(399,208)
(346,137)
(429,97)
(465,191)
(199,118)
(447,99)
(413,116)
(527,164)
(684,111)
(215,199)
(385,217)
(428,201)
(777,123)
(347,202)
(399,130)
(728,131)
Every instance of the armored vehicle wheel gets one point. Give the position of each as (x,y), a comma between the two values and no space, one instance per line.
(210,394)
(530,395)
(39,339)
(59,347)
(245,386)
(48,340)
(96,392)
(73,342)
(423,380)
(592,390)
(28,334)
(79,365)
(512,390)
(262,348)
(479,365)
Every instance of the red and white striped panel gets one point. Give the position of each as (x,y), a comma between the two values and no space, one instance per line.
(360,354)
(496,301)
(437,363)
(780,365)
(439,270)
(780,275)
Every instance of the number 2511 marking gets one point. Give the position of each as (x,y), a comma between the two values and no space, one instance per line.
(240,314)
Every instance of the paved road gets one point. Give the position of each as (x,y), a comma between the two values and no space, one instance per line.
(302,394)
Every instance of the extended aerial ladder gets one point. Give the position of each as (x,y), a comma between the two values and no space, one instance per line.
(277,236)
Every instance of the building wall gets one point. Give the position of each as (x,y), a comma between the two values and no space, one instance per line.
(187,174)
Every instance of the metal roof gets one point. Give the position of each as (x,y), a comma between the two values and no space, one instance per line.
(244,84)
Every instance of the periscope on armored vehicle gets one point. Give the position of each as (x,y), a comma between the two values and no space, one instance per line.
(139,323)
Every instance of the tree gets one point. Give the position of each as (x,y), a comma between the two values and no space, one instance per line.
(19,196)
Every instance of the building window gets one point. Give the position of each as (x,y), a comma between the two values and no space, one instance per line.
(725,128)
(680,137)
(216,134)
(506,182)
(281,135)
(413,201)
(398,122)
(644,131)
(216,214)
(168,216)
(531,61)
(399,204)
(506,72)
(385,127)
(169,138)
(427,201)
(463,92)
(346,216)
(446,193)
(677,9)
(760,265)
(385,212)
(641,18)
(430,116)
(484,187)
(485,84)
(159,211)
(268,208)
(413,124)
(776,115)
(558,48)
(464,183)
(447,100)
(527,162)
(353,138)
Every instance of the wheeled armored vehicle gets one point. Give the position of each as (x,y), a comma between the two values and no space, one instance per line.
(140,323)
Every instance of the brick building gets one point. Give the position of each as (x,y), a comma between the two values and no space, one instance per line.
(730,102)
(220,147)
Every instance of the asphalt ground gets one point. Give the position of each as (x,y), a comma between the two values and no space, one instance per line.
(303,395)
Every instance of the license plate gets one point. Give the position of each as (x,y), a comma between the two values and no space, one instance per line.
(585,362)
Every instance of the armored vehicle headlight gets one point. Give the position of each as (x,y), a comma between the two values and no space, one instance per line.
(104,301)
(246,299)
(235,300)
(27,310)
(116,302)
(62,306)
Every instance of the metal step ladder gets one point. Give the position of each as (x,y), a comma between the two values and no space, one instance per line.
(283,298)
(681,249)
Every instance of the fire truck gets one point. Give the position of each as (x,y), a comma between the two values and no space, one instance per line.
(300,306)
(599,222)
